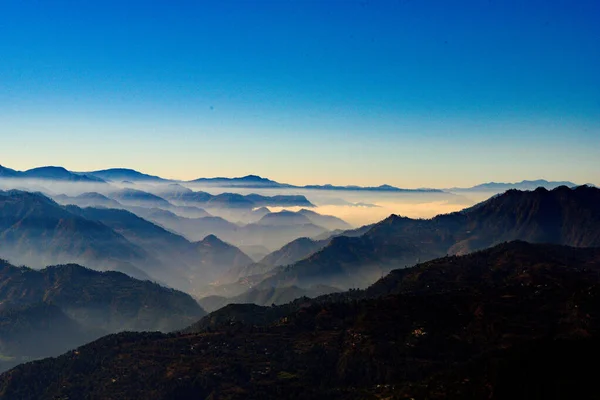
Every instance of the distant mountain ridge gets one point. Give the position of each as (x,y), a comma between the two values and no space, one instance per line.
(523,185)
(561,216)
(124,174)
(187,197)
(255,181)
(49,173)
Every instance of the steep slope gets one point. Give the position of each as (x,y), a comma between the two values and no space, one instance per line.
(183,264)
(238,280)
(219,256)
(169,249)
(44,313)
(562,216)
(35,230)
(456,341)
(327,221)
(294,251)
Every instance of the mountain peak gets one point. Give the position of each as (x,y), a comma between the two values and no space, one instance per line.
(212,238)
(255,178)
(213,241)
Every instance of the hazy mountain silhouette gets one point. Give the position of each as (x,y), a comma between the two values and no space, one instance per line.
(124,174)
(249,181)
(183,264)
(184,196)
(46,312)
(213,253)
(284,218)
(58,174)
(450,328)
(49,173)
(193,229)
(88,199)
(523,185)
(36,231)
(279,200)
(293,251)
(272,232)
(381,188)
(136,197)
(238,280)
(7,172)
(255,252)
(276,229)
(327,221)
(257,182)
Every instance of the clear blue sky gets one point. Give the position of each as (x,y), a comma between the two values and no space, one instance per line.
(411,93)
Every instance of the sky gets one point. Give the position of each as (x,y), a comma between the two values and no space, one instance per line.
(409,93)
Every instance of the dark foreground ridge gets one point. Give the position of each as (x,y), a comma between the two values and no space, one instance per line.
(515,321)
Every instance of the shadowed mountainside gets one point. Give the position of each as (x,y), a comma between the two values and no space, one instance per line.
(497,326)
(49,311)
(36,231)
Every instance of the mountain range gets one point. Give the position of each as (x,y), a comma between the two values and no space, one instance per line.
(120,175)
(516,321)
(144,243)
(568,216)
(498,187)
(36,231)
(180,195)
